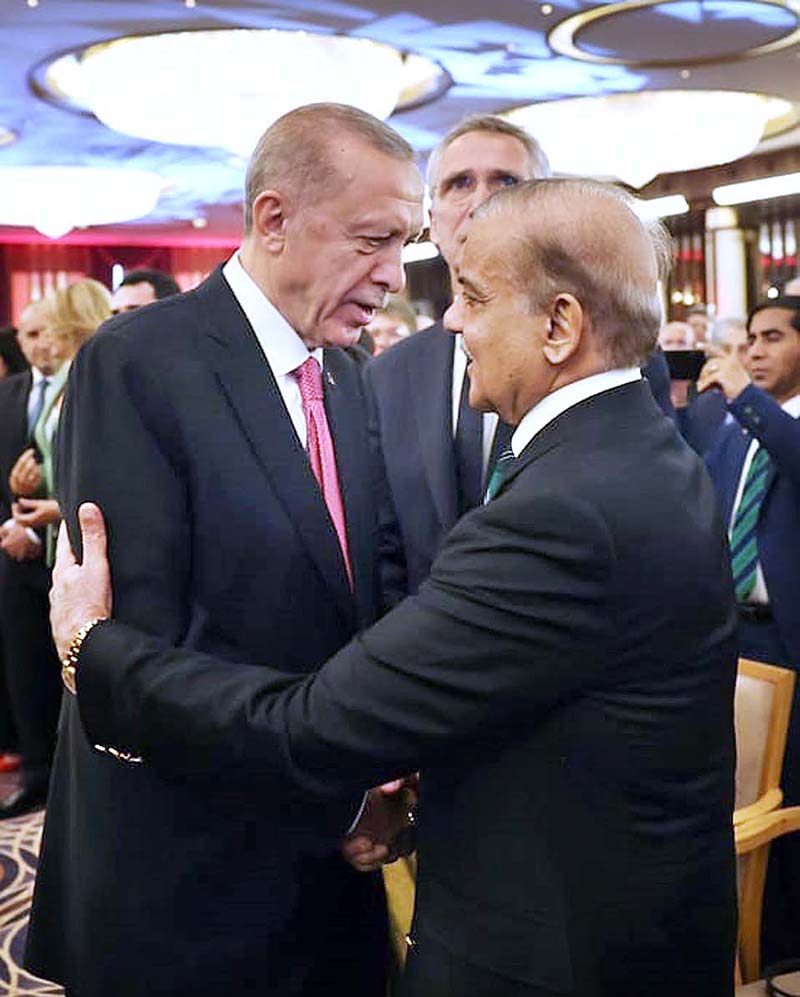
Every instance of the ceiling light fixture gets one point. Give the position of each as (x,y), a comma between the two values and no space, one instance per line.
(224,87)
(56,199)
(757,190)
(635,136)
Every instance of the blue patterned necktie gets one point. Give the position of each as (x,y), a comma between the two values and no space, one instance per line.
(501,470)
(36,411)
(744,542)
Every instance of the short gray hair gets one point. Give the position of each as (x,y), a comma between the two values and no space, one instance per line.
(295,154)
(619,297)
(540,165)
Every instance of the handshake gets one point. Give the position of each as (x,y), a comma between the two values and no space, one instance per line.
(386,827)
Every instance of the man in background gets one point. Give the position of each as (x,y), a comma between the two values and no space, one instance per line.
(437,450)
(142,287)
(32,666)
(755,466)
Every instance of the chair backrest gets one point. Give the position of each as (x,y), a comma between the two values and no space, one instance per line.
(762,705)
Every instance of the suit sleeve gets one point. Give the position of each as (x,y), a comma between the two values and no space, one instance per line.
(512,621)
(775,429)
(114,448)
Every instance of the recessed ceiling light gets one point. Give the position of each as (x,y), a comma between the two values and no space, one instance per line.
(199,222)
(685,74)
(33,3)
(546,9)
(7,136)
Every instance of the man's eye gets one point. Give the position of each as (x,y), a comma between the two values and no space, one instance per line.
(508,181)
(460,184)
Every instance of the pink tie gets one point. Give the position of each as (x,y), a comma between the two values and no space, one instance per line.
(320,450)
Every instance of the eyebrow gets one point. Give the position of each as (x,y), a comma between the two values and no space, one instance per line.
(473,289)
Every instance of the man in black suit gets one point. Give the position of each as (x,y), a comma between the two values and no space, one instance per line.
(564,680)
(438,452)
(32,667)
(230,536)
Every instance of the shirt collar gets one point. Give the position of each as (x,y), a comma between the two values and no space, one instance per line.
(284,349)
(792,406)
(559,401)
(38,376)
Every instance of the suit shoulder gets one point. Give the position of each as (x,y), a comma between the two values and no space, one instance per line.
(10,385)
(416,350)
(155,330)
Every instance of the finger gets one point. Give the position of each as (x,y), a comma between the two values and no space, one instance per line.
(27,503)
(93,535)
(391,787)
(64,556)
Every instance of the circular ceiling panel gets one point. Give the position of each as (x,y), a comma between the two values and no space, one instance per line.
(652,34)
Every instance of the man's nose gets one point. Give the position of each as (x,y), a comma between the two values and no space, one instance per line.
(452,317)
(389,271)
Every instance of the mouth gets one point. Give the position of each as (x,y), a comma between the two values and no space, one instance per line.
(362,311)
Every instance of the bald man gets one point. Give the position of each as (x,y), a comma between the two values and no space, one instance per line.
(565,678)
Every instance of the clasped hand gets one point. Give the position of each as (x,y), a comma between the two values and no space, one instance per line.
(385,830)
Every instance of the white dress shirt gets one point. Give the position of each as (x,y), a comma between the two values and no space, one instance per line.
(759,593)
(561,399)
(283,349)
(490,419)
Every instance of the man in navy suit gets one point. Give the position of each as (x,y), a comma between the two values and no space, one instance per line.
(232,461)
(31,663)
(564,679)
(438,452)
(755,465)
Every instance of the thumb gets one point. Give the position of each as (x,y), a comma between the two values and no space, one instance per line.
(93,534)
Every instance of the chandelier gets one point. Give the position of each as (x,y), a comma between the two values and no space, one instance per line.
(56,199)
(222,88)
(633,137)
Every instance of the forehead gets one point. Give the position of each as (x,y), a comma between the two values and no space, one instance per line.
(485,152)
(377,191)
(486,251)
(773,318)
(32,318)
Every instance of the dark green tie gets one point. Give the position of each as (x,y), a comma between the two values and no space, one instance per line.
(744,542)
(501,470)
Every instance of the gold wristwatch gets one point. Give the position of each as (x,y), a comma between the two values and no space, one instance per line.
(70,659)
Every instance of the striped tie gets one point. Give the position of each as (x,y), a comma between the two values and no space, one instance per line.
(500,471)
(744,543)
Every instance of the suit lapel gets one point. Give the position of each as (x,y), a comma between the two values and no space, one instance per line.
(347,422)
(253,394)
(431,385)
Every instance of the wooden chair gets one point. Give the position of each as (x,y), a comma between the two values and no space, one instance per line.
(753,839)
(762,706)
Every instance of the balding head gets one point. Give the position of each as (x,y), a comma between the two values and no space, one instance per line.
(557,281)
(584,237)
(297,155)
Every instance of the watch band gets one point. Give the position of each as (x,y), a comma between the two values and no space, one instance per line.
(70,660)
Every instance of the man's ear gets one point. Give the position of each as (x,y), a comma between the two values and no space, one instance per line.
(564,330)
(270,215)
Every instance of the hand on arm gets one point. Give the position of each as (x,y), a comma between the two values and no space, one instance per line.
(80,592)
(26,475)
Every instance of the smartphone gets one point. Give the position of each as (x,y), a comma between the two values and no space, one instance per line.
(685,365)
